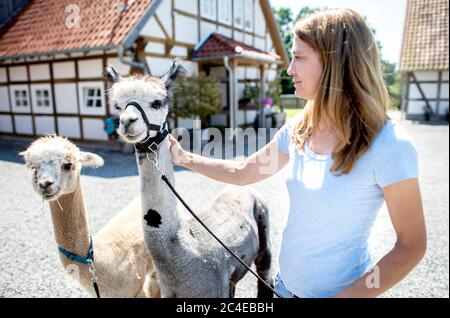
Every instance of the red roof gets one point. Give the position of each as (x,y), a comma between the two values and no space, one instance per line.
(425,40)
(40,28)
(217,46)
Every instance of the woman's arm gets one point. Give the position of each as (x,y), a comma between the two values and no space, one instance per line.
(404,204)
(259,166)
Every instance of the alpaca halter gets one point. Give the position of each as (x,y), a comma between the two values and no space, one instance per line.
(149,145)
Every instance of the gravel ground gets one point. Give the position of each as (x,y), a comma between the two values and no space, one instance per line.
(30,266)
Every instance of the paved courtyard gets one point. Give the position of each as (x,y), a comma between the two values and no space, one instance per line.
(30,266)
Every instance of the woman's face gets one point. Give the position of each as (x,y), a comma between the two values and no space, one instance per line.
(306,70)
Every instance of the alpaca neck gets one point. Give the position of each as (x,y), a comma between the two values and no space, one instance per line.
(71,224)
(164,222)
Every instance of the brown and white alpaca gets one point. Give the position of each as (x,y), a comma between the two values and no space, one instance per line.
(123,265)
(189,262)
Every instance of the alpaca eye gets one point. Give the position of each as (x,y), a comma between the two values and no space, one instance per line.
(116,107)
(157,104)
(67,166)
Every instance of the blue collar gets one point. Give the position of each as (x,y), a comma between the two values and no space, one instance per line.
(79,259)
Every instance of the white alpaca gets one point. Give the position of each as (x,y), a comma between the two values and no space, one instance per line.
(189,262)
(123,265)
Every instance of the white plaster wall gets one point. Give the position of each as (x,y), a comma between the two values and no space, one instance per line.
(248,39)
(3,77)
(260,44)
(4,99)
(63,70)
(179,51)
(430,90)
(6,124)
(44,125)
(445,75)
(416,107)
(186,29)
(94,129)
(206,28)
(158,66)
(240,73)
(225,31)
(154,47)
(40,72)
(164,13)
(23,124)
(66,98)
(152,29)
(69,127)
(18,73)
(426,75)
(238,36)
(260,21)
(189,6)
(90,68)
(444,91)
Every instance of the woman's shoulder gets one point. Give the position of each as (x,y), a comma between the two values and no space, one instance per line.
(393,137)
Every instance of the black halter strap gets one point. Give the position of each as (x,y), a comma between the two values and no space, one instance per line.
(150,144)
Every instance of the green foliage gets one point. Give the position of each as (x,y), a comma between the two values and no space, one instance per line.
(393,82)
(250,94)
(197,96)
(274,91)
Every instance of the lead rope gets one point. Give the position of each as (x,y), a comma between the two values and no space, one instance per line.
(164,178)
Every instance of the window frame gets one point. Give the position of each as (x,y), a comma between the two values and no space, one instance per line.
(248,17)
(20,108)
(91,110)
(227,5)
(204,13)
(241,24)
(41,109)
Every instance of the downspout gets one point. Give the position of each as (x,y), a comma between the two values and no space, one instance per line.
(226,62)
(142,66)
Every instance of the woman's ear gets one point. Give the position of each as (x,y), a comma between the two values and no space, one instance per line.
(89,159)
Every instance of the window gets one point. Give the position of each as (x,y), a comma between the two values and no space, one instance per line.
(225,11)
(238,10)
(91,98)
(20,98)
(42,98)
(248,14)
(208,9)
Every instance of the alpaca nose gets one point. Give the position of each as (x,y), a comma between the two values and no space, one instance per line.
(44,184)
(127,121)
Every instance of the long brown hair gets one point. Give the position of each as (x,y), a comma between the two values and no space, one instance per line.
(352,98)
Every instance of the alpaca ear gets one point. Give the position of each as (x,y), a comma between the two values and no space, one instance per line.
(112,74)
(177,71)
(25,154)
(89,159)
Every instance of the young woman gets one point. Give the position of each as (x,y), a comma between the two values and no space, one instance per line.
(345,158)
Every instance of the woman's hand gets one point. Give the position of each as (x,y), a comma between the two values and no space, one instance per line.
(178,154)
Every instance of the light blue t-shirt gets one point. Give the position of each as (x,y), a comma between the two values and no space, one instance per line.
(325,243)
